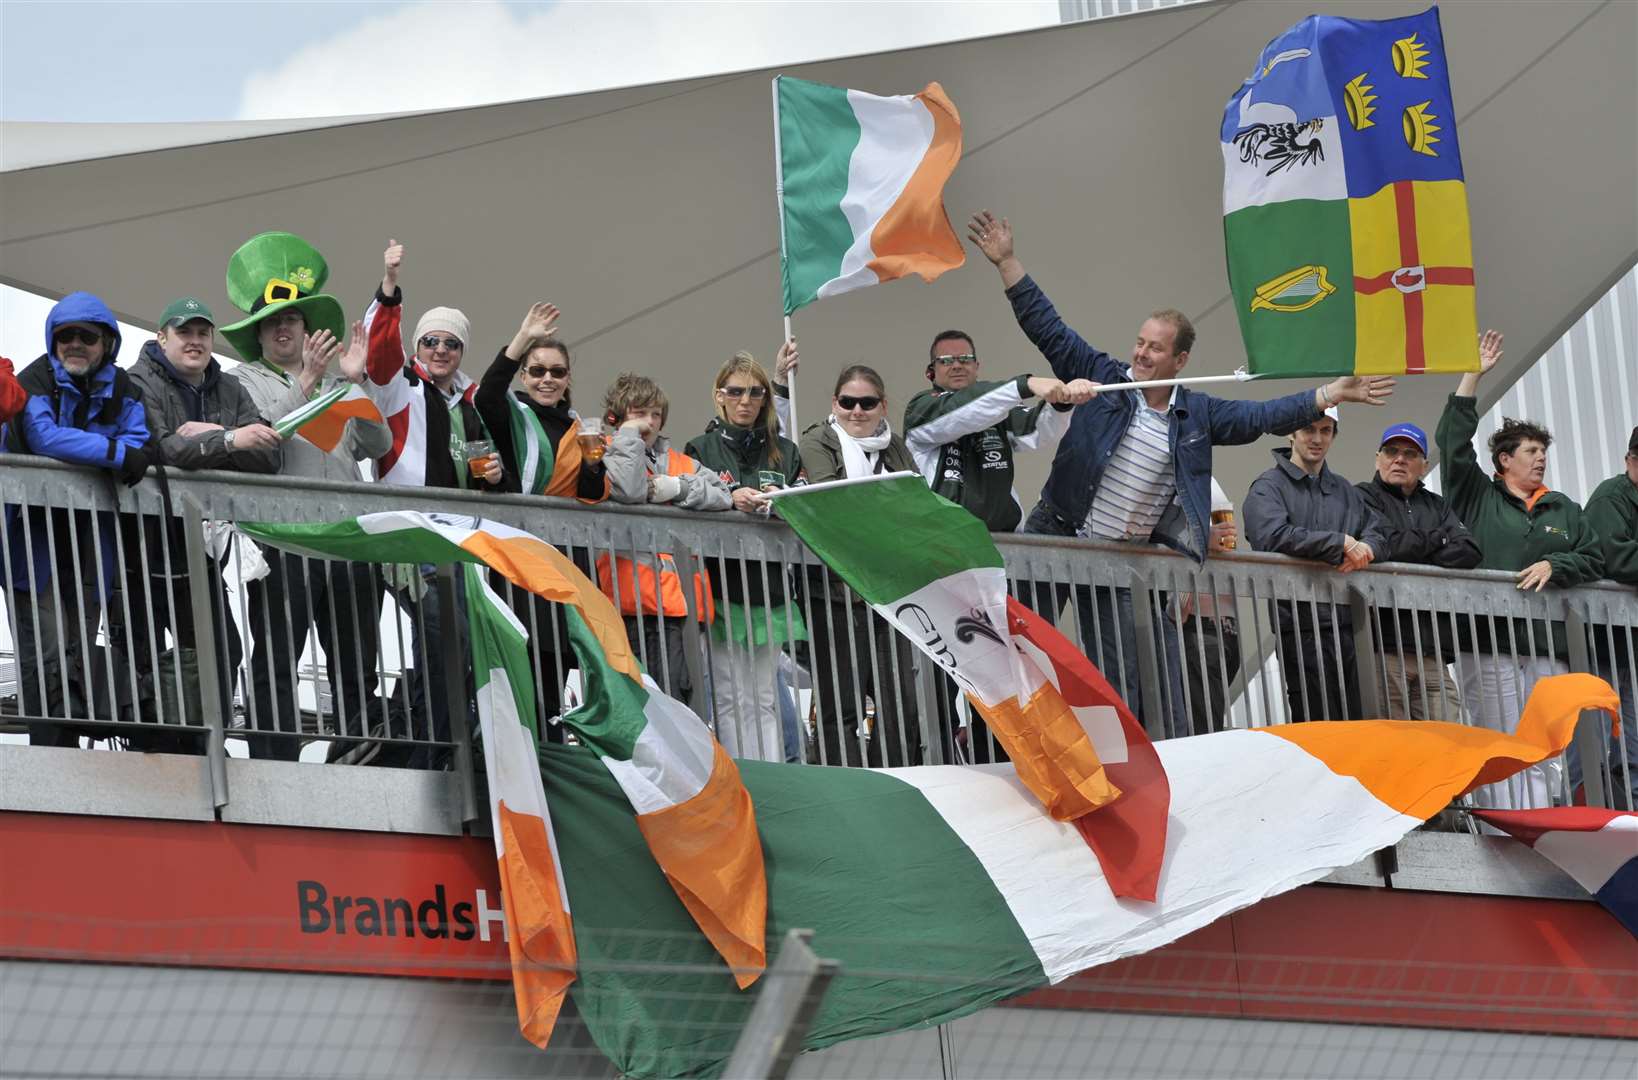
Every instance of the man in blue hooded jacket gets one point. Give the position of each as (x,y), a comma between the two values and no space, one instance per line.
(1135,466)
(60,564)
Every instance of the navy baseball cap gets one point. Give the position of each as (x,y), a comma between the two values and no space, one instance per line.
(1406,431)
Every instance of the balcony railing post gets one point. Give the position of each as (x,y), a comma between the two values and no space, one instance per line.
(212,693)
(453,646)
(1367,668)
(1589,730)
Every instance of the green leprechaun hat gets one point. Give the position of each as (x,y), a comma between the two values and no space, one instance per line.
(274,271)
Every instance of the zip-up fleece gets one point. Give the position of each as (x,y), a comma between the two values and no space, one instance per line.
(963,443)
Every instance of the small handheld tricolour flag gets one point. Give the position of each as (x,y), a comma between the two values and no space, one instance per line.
(1344,203)
(323,420)
(860,184)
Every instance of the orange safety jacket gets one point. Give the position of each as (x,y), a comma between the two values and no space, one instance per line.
(656,578)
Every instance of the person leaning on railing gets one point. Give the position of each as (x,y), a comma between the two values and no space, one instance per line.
(201,418)
(538,435)
(742,444)
(644,468)
(1303,509)
(849,644)
(1612,512)
(1521,526)
(1420,527)
(60,564)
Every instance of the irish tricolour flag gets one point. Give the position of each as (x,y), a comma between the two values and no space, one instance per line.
(692,810)
(861,187)
(937,576)
(942,889)
(323,420)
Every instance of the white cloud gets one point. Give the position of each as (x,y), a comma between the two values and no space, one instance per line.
(438,55)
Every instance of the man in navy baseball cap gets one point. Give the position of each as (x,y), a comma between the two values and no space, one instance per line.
(1415,646)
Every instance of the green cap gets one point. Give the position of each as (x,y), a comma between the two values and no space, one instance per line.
(185,310)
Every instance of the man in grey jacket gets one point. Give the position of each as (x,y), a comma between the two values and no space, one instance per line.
(1302,509)
(200,419)
(298,595)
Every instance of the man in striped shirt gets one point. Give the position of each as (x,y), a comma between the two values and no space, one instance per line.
(1135,466)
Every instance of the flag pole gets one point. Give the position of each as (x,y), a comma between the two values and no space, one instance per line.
(779,199)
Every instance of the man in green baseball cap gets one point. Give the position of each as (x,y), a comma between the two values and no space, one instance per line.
(201,418)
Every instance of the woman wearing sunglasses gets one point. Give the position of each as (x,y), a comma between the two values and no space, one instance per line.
(754,614)
(849,643)
(537,436)
(535,430)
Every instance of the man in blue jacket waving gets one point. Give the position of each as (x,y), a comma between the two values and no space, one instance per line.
(83,410)
(1135,466)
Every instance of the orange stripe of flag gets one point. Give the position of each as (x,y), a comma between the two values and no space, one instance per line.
(1418,766)
(1051,752)
(325,430)
(711,853)
(542,944)
(538,567)
(915,235)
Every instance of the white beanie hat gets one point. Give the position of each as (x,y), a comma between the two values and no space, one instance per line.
(447,319)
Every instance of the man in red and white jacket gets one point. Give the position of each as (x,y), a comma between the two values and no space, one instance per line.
(427,400)
(427,441)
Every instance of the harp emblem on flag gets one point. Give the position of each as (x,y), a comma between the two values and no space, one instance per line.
(1294,290)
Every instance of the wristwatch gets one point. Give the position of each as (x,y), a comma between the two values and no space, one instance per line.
(227,439)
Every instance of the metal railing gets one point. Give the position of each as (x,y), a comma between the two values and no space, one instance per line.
(370,660)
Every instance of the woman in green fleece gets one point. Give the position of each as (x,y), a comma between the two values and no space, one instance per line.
(1521,526)
(755,616)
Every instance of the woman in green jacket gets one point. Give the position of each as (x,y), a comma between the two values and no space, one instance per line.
(754,614)
(851,645)
(1521,526)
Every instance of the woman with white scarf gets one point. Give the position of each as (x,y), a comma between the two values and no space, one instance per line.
(849,644)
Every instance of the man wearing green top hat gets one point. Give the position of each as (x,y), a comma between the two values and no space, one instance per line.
(288,341)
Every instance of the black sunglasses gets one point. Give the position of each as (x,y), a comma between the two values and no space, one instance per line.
(850,403)
(539,371)
(76,333)
(757,392)
(432,341)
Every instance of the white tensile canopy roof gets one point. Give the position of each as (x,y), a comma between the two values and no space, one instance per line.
(648,215)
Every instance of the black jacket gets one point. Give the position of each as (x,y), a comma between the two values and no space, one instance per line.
(1421,528)
(738,455)
(1307,517)
(171,401)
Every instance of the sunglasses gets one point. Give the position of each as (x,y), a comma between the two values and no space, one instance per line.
(958,358)
(539,371)
(849,403)
(757,393)
(432,341)
(69,334)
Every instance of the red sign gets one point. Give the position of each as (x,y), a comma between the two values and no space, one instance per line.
(255,896)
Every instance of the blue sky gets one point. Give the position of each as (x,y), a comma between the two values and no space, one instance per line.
(96,61)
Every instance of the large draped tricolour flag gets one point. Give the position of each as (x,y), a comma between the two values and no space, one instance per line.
(1345,205)
(938,577)
(940,890)
(1596,847)
(861,187)
(691,807)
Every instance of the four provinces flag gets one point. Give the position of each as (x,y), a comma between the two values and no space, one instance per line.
(1344,206)
(861,187)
